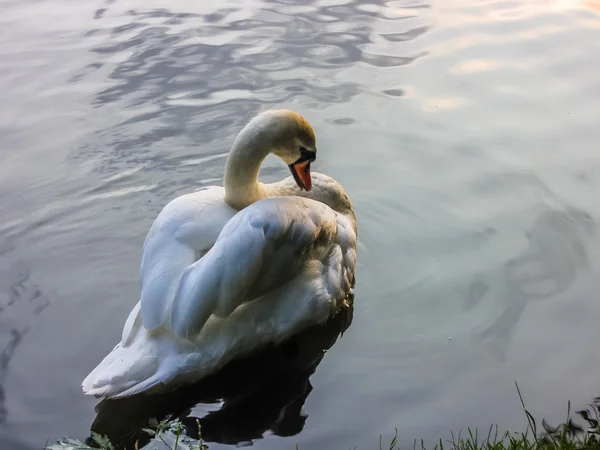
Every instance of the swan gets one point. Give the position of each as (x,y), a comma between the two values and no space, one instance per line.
(228,270)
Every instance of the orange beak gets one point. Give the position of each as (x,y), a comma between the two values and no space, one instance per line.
(301,173)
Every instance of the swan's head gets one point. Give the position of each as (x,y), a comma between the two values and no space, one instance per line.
(293,140)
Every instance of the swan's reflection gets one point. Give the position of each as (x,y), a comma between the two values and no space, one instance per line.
(555,254)
(265,391)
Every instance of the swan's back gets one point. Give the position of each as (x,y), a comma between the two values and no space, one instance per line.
(183,232)
(262,249)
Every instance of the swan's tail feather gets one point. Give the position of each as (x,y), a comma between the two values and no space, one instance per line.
(125,371)
(118,391)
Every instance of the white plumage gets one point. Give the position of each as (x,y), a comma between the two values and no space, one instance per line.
(219,281)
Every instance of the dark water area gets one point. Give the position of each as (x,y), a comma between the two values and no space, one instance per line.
(465,133)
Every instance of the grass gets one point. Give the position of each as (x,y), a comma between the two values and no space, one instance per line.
(568,436)
(168,432)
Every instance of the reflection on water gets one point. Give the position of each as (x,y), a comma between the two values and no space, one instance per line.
(21,300)
(556,251)
(200,76)
(264,392)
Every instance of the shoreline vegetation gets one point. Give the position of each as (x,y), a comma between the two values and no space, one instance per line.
(170,434)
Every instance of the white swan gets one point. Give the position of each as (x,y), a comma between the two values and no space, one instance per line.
(226,270)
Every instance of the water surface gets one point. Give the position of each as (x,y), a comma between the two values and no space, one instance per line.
(465,133)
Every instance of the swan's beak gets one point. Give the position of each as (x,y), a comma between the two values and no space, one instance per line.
(301,169)
(301,172)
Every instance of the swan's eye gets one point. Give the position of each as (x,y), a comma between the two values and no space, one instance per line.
(307,155)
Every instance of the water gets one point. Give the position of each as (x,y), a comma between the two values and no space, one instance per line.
(465,133)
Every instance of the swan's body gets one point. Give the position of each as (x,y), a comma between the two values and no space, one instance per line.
(226,270)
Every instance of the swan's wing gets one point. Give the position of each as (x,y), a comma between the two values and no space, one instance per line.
(264,246)
(184,230)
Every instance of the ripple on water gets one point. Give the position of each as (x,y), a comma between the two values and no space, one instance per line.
(264,61)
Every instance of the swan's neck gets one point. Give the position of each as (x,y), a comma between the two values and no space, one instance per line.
(249,150)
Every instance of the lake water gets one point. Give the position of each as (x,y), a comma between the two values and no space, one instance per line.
(465,132)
